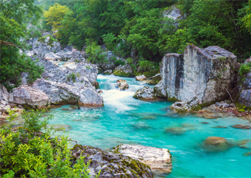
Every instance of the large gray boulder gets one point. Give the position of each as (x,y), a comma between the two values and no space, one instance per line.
(160,90)
(73,56)
(245,88)
(88,70)
(199,76)
(30,97)
(159,159)
(111,165)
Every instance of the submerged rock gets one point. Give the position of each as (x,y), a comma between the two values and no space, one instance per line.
(30,97)
(176,130)
(199,76)
(145,93)
(123,71)
(61,127)
(111,164)
(159,159)
(216,144)
(241,126)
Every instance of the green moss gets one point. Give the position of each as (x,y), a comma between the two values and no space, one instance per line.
(122,73)
(150,73)
(172,99)
(242,108)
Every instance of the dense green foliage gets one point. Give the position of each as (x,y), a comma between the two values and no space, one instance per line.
(29,151)
(14,15)
(245,68)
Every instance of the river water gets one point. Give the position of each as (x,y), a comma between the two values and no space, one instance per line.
(124,119)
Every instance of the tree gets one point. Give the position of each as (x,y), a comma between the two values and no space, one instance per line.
(55,15)
(14,15)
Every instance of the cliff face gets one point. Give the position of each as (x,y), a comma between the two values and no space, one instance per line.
(199,76)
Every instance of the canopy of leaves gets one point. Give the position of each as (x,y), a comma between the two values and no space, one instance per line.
(13,18)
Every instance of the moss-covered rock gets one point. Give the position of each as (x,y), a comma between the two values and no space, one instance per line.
(111,164)
(124,71)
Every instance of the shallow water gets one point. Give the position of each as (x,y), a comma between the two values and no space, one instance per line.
(124,119)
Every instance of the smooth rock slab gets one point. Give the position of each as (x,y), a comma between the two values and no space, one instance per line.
(140,78)
(27,96)
(159,159)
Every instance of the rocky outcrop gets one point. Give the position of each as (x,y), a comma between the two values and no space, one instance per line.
(159,159)
(111,165)
(140,78)
(123,71)
(45,45)
(69,85)
(245,88)
(29,97)
(174,14)
(145,93)
(73,56)
(199,76)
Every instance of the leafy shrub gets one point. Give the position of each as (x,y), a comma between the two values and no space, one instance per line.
(110,41)
(245,68)
(72,77)
(94,52)
(28,152)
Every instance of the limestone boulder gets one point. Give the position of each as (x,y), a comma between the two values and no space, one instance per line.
(122,84)
(140,78)
(123,71)
(30,97)
(159,159)
(88,70)
(215,144)
(145,93)
(199,76)
(4,99)
(111,165)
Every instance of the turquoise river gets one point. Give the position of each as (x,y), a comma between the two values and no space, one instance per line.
(124,119)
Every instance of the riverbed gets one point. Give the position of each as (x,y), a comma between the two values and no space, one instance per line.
(124,119)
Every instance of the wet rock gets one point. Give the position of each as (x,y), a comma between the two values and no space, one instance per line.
(241,126)
(216,144)
(124,87)
(99,91)
(51,56)
(199,76)
(180,107)
(150,117)
(247,153)
(123,71)
(219,126)
(30,97)
(159,159)
(71,108)
(111,164)
(160,90)
(140,78)
(145,93)
(176,130)
(107,72)
(205,122)
(122,84)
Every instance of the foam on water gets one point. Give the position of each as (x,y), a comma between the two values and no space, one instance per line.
(124,119)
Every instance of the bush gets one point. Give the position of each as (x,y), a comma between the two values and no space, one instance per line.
(245,68)
(72,77)
(94,52)
(28,152)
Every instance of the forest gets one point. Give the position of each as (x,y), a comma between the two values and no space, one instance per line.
(121,26)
